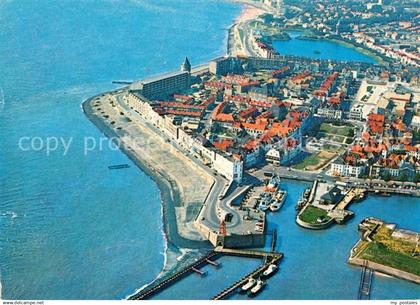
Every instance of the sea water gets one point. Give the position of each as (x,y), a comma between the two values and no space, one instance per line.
(73,229)
(70,228)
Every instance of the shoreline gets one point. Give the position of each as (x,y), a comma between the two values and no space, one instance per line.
(169,195)
(250,11)
(379,60)
(176,253)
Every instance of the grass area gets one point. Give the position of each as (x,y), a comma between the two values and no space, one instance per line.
(311,160)
(315,161)
(331,148)
(311,215)
(344,131)
(383,236)
(379,253)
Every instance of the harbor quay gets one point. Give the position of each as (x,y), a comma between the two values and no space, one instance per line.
(326,202)
(387,249)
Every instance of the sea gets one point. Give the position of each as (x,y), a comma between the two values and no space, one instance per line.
(70,228)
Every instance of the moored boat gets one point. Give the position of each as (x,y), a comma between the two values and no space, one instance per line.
(275,206)
(257,288)
(248,285)
(271,269)
(281,196)
(263,206)
(273,184)
(307,193)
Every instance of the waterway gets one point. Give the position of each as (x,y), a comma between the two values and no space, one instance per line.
(319,49)
(71,228)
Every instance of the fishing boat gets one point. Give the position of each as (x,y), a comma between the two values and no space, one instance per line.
(307,193)
(273,184)
(248,285)
(275,206)
(300,204)
(279,199)
(280,196)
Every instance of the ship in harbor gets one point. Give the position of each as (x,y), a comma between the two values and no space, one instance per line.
(273,197)
(279,199)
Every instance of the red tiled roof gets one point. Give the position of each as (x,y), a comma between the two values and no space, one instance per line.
(251,144)
(223,145)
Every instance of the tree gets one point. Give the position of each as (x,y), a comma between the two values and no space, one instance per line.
(403,177)
(386,176)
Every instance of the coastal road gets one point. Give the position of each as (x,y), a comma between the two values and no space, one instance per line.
(210,206)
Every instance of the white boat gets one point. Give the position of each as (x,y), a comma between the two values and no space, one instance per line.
(275,206)
(263,206)
(279,201)
(251,282)
(257,288)
(270,270)
(281,196)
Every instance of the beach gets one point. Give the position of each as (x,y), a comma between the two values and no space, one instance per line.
(181,195)
(249,12)
(237,36)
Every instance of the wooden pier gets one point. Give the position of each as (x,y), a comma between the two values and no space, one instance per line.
(248,253)
(256,273)
(268,258)
(194,267)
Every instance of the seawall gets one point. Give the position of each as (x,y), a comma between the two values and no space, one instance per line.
(170,195)
(386,270)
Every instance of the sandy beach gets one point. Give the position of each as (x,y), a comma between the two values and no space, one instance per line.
(249,12)
(238,32)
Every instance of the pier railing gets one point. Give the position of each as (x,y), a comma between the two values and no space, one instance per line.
(148,292)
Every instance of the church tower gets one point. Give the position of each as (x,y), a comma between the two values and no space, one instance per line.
(186,66)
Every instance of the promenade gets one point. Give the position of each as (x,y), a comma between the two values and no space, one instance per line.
(184,193)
